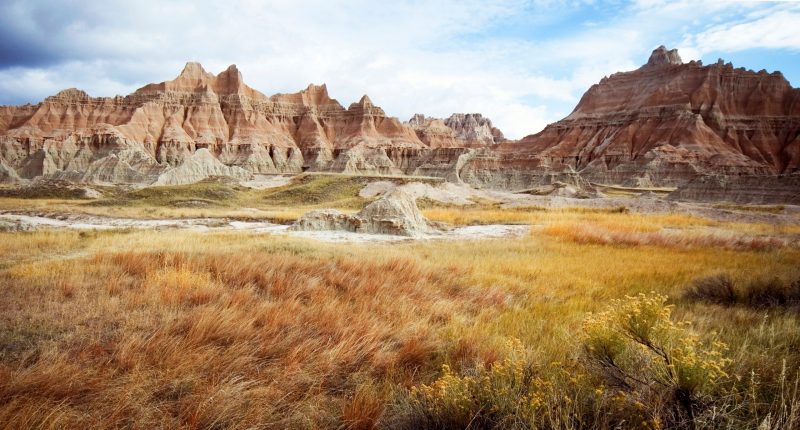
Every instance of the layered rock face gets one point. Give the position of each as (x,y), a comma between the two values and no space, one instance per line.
(663,124)
(457,131)
(667,123)
(147,136)
(750,189)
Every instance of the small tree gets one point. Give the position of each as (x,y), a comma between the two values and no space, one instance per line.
(635,346)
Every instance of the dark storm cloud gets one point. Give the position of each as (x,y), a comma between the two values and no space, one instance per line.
(30,34)
(18,50)
(44,33)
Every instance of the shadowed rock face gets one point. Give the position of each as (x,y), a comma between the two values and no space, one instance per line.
(771,189)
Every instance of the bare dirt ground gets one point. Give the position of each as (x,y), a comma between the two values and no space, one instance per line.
(445,194)
(262,182)
(28,222)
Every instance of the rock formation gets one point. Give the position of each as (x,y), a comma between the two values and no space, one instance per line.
(663,124)
(474,129)
(395,213)
(75,136)
(750,189)
(199,166)
(459,130)
(137,138)
(667,123)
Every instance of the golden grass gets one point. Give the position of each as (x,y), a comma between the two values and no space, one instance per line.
(271,337)
(15,247)
(479,216)
(622,234)
(537,215)
(616,220)
(235,330)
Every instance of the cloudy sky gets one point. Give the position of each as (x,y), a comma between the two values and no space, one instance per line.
(523,63)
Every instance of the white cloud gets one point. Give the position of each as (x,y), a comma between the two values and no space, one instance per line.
(773,28)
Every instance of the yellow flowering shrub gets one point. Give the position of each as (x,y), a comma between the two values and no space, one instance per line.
(505,393)
(636,346)
(641,369)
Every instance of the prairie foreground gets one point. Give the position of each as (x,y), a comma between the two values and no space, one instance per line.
(596,319)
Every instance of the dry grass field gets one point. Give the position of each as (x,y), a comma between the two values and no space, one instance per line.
(147,329)
(599,318)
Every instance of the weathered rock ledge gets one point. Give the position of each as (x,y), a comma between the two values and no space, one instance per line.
(396,213)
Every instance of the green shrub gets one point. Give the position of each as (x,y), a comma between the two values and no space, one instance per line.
(512,393)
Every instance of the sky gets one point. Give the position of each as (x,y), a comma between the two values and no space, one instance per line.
(522,63)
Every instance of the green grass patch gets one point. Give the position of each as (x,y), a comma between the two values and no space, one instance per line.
(207,193)
(51,189)
(331,190)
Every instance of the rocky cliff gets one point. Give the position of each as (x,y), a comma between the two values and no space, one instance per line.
(665,124)
(459,130)
(147,136)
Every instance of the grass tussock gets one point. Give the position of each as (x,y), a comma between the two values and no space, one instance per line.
(757,293)
(49,189)
(492,213)
(209,192)
(536,215)
(27,246)
(210,198)
(340,191)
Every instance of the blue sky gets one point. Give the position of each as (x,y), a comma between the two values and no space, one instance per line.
(523,63)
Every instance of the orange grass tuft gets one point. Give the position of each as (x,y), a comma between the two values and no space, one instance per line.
(202,340)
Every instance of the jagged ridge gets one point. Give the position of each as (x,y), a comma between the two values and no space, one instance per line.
(72,135)
(666,123)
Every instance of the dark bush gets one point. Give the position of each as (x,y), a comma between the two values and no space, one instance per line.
(759,293)
(717,289)
(793,293)
(765,293)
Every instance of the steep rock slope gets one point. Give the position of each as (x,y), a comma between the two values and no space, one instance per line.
(72,133)
(665,123)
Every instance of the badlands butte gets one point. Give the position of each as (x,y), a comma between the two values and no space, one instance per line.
(700,132)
